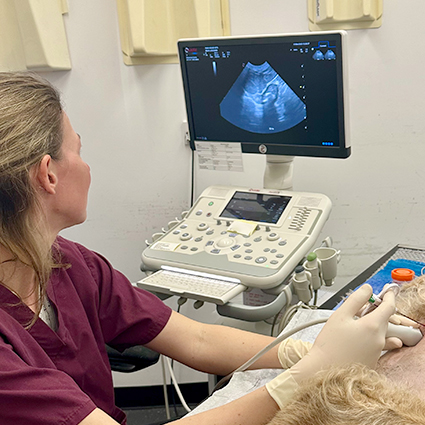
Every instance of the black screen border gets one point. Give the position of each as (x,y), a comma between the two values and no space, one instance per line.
(285,197)
(341,151)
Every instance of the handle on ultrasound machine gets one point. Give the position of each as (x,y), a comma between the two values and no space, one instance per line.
(253,313)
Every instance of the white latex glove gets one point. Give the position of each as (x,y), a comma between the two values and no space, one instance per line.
(391,343)
(282,388)
(344,339)
(292,351)
(401,320)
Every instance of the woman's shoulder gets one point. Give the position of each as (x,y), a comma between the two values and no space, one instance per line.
(70,251)
(76,258)
(67,246)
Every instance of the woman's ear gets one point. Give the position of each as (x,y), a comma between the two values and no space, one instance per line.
(45,176)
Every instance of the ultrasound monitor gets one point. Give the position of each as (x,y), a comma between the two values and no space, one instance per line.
(275,94)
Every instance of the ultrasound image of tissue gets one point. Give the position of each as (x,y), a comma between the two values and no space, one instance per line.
(261,102)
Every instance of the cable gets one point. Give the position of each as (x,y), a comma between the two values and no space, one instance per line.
(274,322)
(180,302)
(166,360)
(290,313)
(164,386)
(176,387)
(192,190)
(288,293)
(286,318)
(279,339)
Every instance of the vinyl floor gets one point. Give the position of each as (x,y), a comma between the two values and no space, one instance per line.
(153,415)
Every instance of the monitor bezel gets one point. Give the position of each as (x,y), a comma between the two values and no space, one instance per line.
(342,151)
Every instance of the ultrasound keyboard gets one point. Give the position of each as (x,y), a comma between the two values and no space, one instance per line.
(198,286)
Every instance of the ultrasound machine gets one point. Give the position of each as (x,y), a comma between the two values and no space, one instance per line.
(280,96)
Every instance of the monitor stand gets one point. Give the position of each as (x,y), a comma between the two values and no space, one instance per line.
(278,172)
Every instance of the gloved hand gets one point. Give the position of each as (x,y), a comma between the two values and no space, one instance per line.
(392,342)
(401,320)
(344,339)
(291,351)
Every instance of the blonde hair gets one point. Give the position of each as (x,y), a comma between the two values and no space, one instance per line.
(354,395)
(30,128)
(411,299)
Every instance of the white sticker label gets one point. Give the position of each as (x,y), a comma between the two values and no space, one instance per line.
(219,156)
(165,246)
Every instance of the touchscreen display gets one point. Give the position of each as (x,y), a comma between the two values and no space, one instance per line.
(256,207)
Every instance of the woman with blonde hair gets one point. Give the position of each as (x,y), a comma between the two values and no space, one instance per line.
(60,303)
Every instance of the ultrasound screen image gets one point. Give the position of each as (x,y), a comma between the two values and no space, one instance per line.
(260,101)
(279,94)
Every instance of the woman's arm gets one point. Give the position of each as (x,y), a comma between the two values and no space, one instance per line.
(211,348)
(343,339)
(256,408)
(98,417)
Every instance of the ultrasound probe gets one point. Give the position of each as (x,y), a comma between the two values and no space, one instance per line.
(375,301)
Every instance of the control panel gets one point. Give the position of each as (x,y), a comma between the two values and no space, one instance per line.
(255,235)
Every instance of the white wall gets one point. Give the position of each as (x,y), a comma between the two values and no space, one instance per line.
(130,122)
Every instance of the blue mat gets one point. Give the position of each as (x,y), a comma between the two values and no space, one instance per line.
(378,280)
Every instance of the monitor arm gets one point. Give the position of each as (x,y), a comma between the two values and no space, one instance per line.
(278,172)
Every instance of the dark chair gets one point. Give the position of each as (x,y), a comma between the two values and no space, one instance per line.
(131,359)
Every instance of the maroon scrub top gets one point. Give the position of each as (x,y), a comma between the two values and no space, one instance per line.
(49,377)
